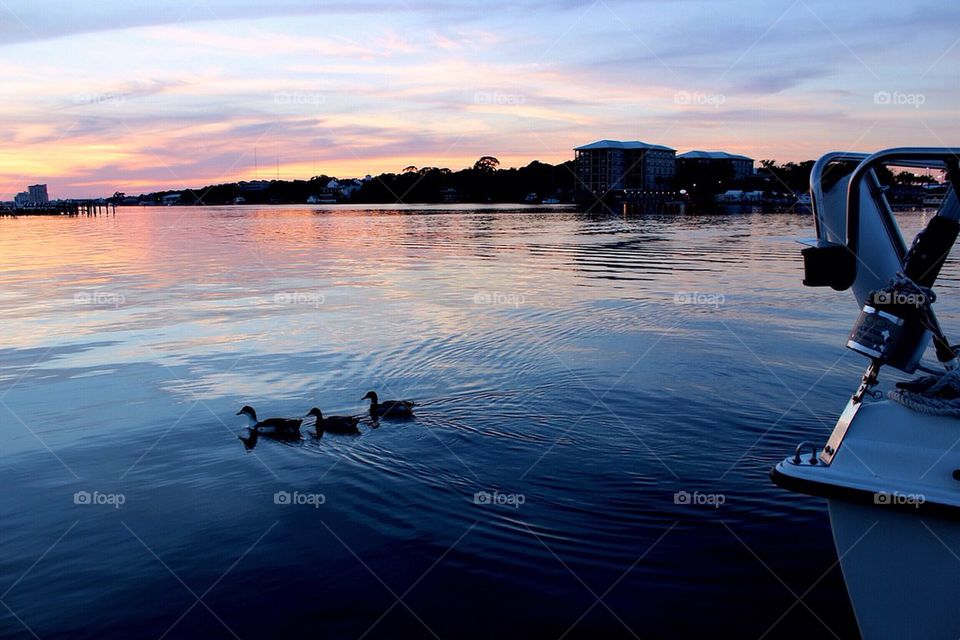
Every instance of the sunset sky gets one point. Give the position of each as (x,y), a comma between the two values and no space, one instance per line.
(139,95)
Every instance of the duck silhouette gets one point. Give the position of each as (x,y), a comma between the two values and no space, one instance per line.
(389,408)
(344,425)
(281,428)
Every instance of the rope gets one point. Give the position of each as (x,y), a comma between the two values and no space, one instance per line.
(936,395)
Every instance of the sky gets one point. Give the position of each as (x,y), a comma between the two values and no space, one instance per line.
(143,95)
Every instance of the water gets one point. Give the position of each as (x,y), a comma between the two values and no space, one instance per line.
(557,368)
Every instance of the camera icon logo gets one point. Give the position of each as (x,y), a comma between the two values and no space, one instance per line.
(482,497)
(681,497)
(281,497)
(82,497)
(882,97)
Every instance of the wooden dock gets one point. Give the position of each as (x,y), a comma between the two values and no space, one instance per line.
(63,208)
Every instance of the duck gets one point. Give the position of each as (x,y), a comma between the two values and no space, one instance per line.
(389,408)
(275,427)
(334,424)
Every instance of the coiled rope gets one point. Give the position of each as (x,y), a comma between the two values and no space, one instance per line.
(935,395)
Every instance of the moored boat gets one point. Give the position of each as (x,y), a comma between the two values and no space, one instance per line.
(890,470)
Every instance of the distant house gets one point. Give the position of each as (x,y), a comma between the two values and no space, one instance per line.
(22,199)
(449,194)
(336,190)
(349,187)
(170,199)
(737,167)
(618,168)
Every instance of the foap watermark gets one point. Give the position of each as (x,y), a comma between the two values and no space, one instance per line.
(699,99)
(499,298)
(99,99)
(312,298)
(899,99)
(698,499)
(115,500)
(499,499)
(297,498)
(699,298)
(499,98)
(897,499)
(99,298)
(905,298)
(298,99)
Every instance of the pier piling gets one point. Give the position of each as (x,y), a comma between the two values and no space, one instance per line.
(63,208)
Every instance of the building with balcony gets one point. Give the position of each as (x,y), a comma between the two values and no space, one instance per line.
(624,169)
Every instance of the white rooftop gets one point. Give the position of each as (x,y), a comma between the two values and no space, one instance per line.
(619,144)
(711,155)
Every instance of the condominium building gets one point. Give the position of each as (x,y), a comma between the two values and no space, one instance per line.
(737,167)
(38,194)
(617,168)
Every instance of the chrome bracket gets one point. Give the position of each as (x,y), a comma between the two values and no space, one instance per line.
(846,418)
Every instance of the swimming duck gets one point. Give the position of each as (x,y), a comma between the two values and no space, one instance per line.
(389,408)
(275,427)
(334,424)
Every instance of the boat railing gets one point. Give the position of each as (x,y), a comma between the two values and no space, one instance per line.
(859,243)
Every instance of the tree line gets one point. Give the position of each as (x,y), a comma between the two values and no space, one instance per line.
(485,181)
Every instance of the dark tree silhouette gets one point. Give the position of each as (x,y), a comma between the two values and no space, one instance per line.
(486,164)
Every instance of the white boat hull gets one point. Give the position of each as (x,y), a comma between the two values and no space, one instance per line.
(901,570)
(893,491)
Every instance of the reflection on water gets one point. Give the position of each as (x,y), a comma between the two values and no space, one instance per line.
(587,386)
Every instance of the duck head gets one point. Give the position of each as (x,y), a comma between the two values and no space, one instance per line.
(318,430)
(250,413)
(371,395)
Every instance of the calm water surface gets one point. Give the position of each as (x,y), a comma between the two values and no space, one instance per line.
(581,370)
